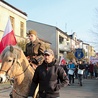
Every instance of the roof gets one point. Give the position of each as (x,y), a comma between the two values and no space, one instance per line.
(13,7)
(65,33)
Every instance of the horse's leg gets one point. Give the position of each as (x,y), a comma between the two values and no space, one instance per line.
(36,92)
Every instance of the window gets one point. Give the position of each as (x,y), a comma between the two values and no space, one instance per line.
(67,39)
(12,21)
(21,29)
(61,39)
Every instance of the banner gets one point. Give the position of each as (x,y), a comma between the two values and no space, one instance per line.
(93,59)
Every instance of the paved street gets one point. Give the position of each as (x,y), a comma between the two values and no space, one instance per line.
(88,90)
(5,90)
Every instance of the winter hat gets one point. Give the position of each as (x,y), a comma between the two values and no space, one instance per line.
(32,32)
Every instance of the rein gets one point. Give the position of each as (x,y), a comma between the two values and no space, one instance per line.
(18,93)
(12,79)
(12,66)
(22,72)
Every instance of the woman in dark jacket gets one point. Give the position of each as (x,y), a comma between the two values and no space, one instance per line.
(49,76)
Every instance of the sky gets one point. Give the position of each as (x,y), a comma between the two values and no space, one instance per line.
(70,16)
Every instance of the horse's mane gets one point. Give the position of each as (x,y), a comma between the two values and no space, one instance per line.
(16,52)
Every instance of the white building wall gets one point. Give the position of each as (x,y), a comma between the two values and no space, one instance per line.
(81,44)
(85,47)
(5,12)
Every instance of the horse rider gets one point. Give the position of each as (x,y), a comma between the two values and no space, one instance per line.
(35,48)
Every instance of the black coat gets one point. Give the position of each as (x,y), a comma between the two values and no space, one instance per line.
(51,78)
(81,66)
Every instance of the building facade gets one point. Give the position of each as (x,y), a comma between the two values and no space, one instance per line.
(17,17)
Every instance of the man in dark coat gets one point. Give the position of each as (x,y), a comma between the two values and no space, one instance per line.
(50,77)
(81,68)
(35,48)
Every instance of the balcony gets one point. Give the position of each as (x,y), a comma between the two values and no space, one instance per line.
(64,47)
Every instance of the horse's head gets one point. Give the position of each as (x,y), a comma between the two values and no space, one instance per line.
(11,62)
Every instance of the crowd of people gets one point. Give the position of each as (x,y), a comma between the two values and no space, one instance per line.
(80,70)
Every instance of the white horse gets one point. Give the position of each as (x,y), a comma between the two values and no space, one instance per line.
(15,66)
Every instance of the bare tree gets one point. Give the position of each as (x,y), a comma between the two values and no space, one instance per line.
(94,32)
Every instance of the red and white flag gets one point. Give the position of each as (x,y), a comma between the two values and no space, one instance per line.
(62,61)
(8,37)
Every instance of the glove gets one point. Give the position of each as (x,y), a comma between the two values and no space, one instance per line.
(30,97)
(34,61)
(58,86)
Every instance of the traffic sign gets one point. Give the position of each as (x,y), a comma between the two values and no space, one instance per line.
(79,54)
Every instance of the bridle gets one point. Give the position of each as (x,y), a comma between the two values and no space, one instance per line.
(13,78)
(12,66)
(9,67)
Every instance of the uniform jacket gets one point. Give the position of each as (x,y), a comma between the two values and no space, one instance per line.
(51,78)
(35,50)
